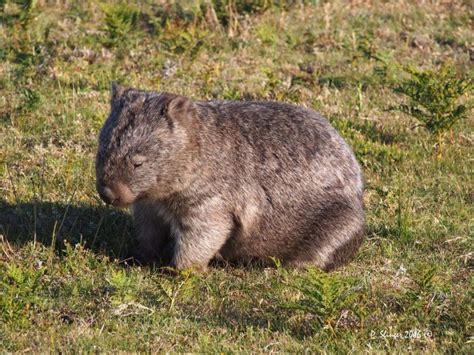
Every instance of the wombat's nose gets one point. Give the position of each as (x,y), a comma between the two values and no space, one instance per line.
(107,195)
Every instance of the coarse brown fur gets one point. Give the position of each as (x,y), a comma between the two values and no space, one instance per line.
(238,181)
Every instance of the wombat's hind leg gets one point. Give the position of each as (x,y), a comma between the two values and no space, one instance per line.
(154,248)
(338,232)
(346,252)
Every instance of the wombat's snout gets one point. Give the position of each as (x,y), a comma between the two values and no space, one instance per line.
(116,194)
(106,194)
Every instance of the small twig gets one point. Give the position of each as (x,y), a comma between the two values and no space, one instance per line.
(430,302)
(6,247)
(53,239)
(470,140)
(67,209)
(122,261)
(13,185)
(35,214)
(42,180)
(122,242)
(17,199)
(452,240)
(97,230)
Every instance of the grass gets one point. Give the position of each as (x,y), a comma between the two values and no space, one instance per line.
(62,285)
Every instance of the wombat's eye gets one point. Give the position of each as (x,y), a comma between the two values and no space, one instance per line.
(138,160)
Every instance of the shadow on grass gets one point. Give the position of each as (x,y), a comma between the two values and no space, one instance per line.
(109,232)
(103,230)
(273,318)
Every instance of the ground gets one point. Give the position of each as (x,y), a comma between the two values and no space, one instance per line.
(63,284)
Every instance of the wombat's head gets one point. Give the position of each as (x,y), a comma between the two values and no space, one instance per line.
(142,145)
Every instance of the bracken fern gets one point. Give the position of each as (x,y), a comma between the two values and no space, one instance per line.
(433,97)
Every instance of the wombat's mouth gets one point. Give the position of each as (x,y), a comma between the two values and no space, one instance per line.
(121,204)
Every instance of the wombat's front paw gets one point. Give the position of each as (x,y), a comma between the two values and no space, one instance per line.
(194,267)
(173,271)
(145,258)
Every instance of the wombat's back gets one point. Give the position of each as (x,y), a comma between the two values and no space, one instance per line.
(280,138)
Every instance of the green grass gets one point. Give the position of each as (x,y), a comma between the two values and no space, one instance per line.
(62,285)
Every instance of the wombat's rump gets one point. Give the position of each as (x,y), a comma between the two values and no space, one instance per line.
(241,181)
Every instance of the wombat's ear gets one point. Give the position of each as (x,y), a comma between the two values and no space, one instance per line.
(115,92)
(180,109)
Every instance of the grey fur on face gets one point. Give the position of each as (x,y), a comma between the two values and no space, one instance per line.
(237,181)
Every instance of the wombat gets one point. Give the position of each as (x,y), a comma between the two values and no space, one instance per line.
(238,181)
